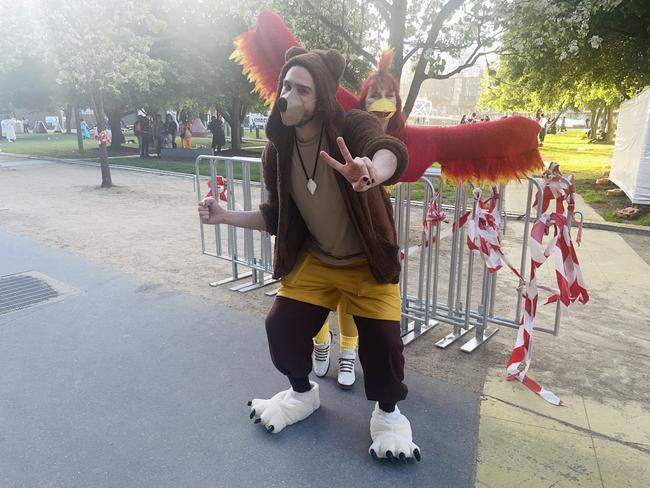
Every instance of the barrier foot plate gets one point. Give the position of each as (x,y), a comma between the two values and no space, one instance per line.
(254,286)
(411,335)
(449,339)
(475,342)
(230,280)
(272,293)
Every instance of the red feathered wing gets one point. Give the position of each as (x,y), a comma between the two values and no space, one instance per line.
(261,54)
(488,151)
(502,150)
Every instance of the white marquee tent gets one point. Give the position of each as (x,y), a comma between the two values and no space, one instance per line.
(198,129)
(631,163)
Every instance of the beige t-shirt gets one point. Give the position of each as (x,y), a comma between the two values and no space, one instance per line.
(333,240)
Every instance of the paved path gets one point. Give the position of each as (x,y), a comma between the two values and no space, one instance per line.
(598,364)
(121,383)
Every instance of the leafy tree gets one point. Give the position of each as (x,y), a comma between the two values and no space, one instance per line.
(28,83)
(426,36)
(102,57)
(556,54)
(22,27)
(196,47)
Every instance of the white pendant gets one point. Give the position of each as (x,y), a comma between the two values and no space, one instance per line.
(311,186)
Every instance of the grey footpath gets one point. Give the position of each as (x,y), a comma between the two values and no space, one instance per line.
(122,383)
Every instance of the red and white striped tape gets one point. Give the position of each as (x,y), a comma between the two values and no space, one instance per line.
(104,136)
(571,287)
(483,230)
(483,237)
(555,189)
(433,216)
(222,188)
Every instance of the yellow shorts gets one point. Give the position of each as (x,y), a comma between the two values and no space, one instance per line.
(315,282)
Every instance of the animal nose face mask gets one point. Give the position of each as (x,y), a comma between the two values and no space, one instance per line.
(293,110)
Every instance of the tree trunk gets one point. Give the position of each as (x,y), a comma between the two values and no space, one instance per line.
(397,31)
(594,123)
(414,89)
(80,139)
(235,125)
(114,119)
(611,125)
(349,77)
(68,119)
(419,74)
(98,102)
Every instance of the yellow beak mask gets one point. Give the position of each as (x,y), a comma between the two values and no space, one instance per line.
(383,105)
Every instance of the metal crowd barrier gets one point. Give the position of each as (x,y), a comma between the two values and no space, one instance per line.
(241,192)
(426,302)
(439,283)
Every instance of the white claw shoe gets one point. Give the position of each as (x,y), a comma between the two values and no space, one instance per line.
(346,378)
(285,408)
(320,357)
(391,436)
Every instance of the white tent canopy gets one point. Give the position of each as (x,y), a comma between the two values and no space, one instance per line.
(631,163)
(198,129)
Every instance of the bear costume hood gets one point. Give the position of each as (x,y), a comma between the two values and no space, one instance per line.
(326,68)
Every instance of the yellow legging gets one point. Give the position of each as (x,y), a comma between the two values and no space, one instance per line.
(347,329)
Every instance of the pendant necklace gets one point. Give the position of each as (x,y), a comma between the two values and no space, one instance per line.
(311,184)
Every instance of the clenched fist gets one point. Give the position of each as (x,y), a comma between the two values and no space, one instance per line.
(210,212)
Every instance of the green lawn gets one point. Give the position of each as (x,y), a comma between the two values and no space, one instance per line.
(587,161)
(65,145)
(571,149)
(56,146)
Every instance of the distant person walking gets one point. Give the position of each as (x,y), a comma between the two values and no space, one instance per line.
(218,135)
(543,123)
(159,132)
(185,130)
(172,128)
(25,126)
(142,129)
(85,131)
(137,130)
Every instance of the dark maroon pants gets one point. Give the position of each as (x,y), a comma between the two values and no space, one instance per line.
(291,325)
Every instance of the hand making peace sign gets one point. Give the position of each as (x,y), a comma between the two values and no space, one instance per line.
(359,171)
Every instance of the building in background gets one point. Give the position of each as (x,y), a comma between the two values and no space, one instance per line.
(449,99)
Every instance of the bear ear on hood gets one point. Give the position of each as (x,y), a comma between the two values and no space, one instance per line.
(335,63)
(294,51)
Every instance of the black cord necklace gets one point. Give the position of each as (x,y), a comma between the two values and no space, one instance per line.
(311,184)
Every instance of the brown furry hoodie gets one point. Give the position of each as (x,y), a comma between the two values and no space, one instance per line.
(371,211)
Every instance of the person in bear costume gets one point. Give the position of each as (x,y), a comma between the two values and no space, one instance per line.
(336,243)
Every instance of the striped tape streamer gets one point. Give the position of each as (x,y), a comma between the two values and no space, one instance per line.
(570,282)
(483,237)
(432,217)
(483,230)
(222,188)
